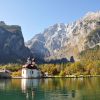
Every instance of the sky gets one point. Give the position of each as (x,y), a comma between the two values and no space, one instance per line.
(35,15)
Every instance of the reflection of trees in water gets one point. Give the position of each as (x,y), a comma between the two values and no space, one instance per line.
(52,84)
(16,83)
(75,86)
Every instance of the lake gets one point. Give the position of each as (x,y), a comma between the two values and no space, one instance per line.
(50,89)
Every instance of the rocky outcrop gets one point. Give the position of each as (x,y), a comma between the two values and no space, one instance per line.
(12,48)
(65,40)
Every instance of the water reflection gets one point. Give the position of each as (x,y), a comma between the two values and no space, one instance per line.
(3,83)
(28,87)
(73,93)
(62,89)
(51,89)
(29,84)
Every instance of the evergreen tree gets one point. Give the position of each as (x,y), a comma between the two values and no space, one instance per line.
(72,59)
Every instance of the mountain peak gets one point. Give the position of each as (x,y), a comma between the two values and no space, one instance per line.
(92,16)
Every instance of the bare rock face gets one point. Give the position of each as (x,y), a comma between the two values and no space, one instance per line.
(47,43)
(12,48)
(65,40)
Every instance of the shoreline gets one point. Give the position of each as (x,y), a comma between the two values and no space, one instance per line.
(68,76)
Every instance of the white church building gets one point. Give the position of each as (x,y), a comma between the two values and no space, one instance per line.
(30,70)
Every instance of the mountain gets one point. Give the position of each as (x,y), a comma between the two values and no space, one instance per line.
(12,47)
(65,40)
(91,54)
(45,44)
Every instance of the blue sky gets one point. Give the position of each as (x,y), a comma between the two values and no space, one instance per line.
(36,15)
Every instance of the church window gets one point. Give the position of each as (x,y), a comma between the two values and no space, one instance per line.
(32,72)
(23,72)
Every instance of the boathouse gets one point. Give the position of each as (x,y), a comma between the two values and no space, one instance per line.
(5,73)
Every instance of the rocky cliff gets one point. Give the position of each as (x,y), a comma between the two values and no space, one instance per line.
(12,48)
(65,40)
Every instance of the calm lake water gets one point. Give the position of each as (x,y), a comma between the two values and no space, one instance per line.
(50,89)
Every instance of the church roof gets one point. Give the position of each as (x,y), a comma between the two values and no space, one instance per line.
(30,66)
